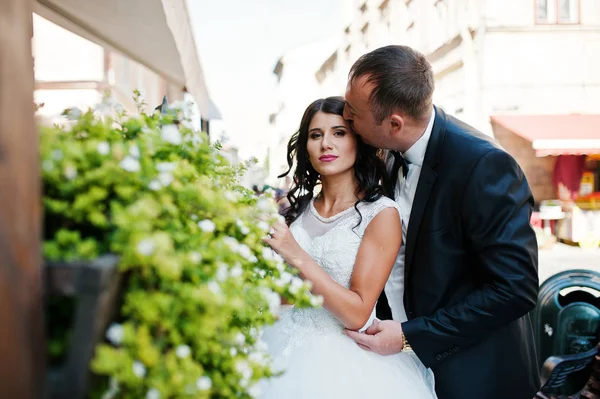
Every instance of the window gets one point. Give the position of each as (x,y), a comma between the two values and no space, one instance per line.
(365,37)
(384,11)
(556,11)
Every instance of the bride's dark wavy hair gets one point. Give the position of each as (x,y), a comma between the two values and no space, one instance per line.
(369,167)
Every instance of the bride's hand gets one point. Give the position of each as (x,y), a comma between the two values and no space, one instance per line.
(283,242)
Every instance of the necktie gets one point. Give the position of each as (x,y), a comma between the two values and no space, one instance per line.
(399,161)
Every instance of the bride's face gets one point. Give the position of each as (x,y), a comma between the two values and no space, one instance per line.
(331,145)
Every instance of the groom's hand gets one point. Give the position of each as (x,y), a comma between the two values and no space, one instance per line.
(382,337)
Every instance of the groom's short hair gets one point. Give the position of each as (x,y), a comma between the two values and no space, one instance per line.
(402,78)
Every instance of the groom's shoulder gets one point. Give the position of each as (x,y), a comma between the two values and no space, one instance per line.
(465,135)
(467,139)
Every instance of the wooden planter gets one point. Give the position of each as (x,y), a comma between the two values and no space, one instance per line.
(95,286)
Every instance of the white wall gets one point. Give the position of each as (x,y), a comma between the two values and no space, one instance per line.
(63,56)
(543,72)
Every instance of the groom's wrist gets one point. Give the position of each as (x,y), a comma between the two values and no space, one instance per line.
(405,345)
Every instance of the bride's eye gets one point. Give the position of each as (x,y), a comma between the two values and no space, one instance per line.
(340,133)
(315,135)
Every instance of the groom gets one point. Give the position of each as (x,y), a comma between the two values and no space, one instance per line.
(466,276)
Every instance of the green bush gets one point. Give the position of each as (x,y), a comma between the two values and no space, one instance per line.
(200,283)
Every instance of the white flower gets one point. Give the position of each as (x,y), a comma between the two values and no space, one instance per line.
(240,339)
(166,166)
(154,185)
(204,383)
(297,283)
(222,272)
(261,346)
(253,259)
(139,369)
(260,272)
(197,139)
(165,178)
(273,299)
(233,352)
(145,247)
(269,254)
(130,164)
(316,300)
(153,393)
(231,242)
(279,283)
(237,271)
(70,172)
(57,155)
(263,226)
(231,196)
(243,228)
(115,334)
(134,151)
(170,133)
(195,257)
(245,251)
(215,288)
(47,165)
(194,217)
(254,332)
(103,148)
(113,389)
(258,358)
(207,226)
(244,369)
(265,205)
(286,277)
(255,390)
(183,351)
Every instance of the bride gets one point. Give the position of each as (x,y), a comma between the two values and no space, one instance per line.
(345,241)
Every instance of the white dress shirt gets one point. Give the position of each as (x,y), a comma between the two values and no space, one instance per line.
(405,195)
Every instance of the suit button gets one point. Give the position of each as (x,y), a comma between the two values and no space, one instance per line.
(438,358)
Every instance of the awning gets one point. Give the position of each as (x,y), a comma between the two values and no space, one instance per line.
(155,33)
(555,134)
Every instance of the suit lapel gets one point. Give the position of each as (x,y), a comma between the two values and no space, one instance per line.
(424,186)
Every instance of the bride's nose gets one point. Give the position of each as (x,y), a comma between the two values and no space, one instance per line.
(326,142)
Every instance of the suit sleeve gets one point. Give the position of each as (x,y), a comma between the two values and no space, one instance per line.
(495,213)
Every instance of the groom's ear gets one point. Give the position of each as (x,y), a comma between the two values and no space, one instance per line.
(396,123)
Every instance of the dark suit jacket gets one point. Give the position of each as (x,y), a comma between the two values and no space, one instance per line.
(471,268)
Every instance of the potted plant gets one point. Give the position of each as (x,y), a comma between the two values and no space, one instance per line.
(156,207)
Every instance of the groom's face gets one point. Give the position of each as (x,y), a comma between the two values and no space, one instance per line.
(358,114)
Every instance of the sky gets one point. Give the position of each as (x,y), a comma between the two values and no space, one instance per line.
(239,43)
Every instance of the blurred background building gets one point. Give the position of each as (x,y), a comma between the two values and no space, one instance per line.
(522,71)
(84,49)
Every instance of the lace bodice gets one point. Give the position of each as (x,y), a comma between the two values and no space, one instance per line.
(333,243)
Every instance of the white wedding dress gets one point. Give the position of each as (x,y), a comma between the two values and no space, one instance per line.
(317,359)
